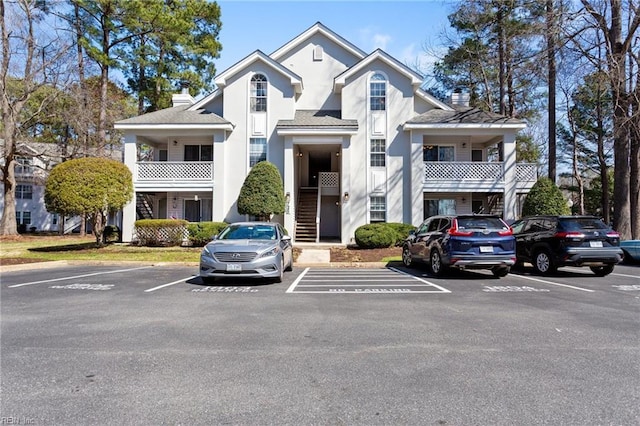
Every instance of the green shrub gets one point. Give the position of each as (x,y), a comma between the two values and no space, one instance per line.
(401,231)
(375,235)
(545,198)
(262,193)
(202,232)
(161,232)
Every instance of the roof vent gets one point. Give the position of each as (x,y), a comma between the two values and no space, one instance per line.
(318,53)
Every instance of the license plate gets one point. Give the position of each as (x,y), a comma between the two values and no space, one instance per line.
(486,249)
(234,267)
(595,243)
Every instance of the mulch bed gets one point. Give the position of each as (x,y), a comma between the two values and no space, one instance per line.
(356,254)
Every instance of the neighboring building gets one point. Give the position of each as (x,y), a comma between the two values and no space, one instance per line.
(33,163)
(354,136)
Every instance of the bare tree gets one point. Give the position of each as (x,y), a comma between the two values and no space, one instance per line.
(32,58)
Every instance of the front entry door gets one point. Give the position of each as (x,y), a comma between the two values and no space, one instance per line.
(192,210)
(318,162)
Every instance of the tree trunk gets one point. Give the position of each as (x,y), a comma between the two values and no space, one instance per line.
(551,83)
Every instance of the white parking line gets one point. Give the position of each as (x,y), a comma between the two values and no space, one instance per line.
(78,276)
(551,283)
(149,290)
(444,290)
(295,283)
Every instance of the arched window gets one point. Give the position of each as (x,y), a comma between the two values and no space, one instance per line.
(258,93)
(378,92)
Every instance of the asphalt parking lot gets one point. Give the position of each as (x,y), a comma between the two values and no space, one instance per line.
(143,344)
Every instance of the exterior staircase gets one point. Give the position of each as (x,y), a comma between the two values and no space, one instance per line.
(306,226)
(143,206)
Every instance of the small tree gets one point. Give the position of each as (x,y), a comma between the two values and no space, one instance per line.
(262,193)
(545,198)
(89,186)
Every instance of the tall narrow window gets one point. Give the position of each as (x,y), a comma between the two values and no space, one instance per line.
(378,212)
(257,151)
(258,93)
(378,92)
(377,152)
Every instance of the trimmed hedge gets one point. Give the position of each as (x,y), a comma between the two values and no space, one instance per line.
(375,235)
(202,232)
(401,230)
(161,232)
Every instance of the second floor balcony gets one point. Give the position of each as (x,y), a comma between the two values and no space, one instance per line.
(173,173)
(475,176)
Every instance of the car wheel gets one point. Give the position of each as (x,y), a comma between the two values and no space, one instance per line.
(289,267)
(543,264)
(281,270)
(601,271)
(435,263)
(406,257)
(499,271)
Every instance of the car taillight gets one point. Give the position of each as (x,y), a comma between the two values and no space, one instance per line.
(613,234)
(575,235)
(454,231)
(505,232)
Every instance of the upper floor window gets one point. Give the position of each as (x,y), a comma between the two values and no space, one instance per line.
(24,192)
(437,153)
(24,166)
(377,152)
(258,93)
(378,92)
(198,153)
(257,151)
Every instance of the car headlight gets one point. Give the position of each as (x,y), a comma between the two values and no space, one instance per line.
(206,252)
(272,252)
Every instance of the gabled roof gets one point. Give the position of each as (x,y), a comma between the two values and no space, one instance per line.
(176,117)
(296,80)
(423,94)
(462,117)
(318,28)
(378,54)
(317,121)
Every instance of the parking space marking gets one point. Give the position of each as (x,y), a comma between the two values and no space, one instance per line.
(149,290)
(78,276)
(379,281)
(552,283)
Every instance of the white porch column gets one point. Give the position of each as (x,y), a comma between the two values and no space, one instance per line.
(346,232)
(289,186)
(510,195)
(129,210)
(417,180)
(219,207)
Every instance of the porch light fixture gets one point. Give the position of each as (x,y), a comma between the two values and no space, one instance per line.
(338,154)
(300,154)
(346,196)
(464,144)
(195,197)
(175,143)
(287,197)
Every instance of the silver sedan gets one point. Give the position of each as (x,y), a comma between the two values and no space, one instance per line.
(248,249)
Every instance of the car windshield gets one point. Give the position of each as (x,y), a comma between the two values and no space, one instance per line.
(580,223)
(248,232)
(481,223)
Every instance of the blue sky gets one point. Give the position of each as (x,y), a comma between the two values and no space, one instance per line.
(400,28)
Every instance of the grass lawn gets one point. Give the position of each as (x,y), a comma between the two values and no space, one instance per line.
(34,248)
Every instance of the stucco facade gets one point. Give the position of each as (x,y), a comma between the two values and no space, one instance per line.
(354,136)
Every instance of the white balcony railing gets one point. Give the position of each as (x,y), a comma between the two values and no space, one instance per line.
(476,171)
(165,171)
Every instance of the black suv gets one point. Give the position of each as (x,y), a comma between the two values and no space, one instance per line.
(548,242)
(463,242)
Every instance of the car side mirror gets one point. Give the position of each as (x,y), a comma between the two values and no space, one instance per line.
(286,238)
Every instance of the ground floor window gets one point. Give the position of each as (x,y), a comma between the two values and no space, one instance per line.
(198,210)
(439,207)
(257,151)
(378,211)
(23,218)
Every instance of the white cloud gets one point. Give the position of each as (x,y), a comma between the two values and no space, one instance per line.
(380,41)
(371,39)
(416,57)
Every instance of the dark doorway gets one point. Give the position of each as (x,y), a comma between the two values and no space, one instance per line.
(318,162)
(192,210)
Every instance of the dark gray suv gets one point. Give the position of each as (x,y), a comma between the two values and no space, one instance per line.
(548,242)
